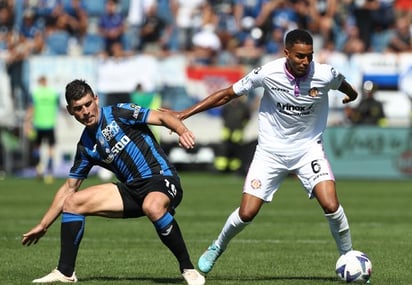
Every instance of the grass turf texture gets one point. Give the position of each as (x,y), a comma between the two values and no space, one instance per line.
(288,244)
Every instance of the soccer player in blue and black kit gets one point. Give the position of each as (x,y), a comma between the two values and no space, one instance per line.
(117,138)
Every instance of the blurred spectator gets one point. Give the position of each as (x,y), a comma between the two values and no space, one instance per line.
(152,31)
(40,124)
(353,44)
(74,18)
(308,16)
(188,21)
(136,16)
(167,10)
(254,18)
(373,18)
(225,22)
(31,32)
(146,99)
(235,116)
(403,8)
(117,52)
(401,40)
(249,53)
(206,46)
(15,52)
(6,17)
(274,44)
(56,38)
(111,25)
(369,111)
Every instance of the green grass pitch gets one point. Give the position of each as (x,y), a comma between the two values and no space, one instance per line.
(288,243)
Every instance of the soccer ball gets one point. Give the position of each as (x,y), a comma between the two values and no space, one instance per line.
(354,267)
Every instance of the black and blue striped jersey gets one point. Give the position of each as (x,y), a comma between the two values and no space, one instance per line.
(122,143)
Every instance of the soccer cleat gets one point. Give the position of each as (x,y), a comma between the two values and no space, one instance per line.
(56,276)
(208,258)
(193,277)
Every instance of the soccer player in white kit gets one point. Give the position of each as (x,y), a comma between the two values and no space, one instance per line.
(292,117)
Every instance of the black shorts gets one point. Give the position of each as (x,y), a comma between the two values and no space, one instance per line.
(134,193)
(45,135)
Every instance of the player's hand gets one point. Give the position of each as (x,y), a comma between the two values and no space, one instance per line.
(33,236)
(346,99)
(187,139)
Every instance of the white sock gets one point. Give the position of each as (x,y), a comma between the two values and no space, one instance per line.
(232,227)
(339,228)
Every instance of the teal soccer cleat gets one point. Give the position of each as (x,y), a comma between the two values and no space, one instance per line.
(209,257)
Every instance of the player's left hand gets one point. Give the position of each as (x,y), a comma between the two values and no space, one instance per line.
(187,139)
(33,236)
(346,99)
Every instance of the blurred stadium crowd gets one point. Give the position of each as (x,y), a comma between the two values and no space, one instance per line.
(209,31)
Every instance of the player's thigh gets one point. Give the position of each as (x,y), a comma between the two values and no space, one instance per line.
(102,200)
(312,168)
(265,175)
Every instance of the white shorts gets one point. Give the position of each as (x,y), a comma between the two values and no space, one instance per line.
(268,170)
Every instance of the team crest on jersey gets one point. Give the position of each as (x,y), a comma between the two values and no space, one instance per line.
(256,183)
(313,92)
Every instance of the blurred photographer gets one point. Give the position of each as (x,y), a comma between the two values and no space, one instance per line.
(369,111)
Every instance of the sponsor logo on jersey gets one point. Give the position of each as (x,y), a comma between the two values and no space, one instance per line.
(110,131)
(279,89)
(116,149)
(293,110)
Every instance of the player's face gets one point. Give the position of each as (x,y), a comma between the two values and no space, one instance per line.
(298,59)
(85,110)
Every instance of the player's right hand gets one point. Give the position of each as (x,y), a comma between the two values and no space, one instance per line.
(33,236)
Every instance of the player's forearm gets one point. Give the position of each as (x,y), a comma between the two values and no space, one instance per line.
(216,99)
(56,207)
(348,90)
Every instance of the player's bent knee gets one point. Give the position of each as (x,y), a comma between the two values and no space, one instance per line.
(247,217)
(73,204)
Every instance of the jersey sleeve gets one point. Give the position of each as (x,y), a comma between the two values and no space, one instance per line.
(131,114)
(82,164)
(251,81)
(336,78)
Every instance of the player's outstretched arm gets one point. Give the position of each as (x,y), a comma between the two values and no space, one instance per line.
(69,187)
(215,99)
(186,137)
(350,93)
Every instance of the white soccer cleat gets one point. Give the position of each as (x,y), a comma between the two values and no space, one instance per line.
(56,276)
(193,277)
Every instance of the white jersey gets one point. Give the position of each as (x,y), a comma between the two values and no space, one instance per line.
(293,111)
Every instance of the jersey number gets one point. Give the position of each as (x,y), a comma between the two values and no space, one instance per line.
(171,188)
(315,166)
